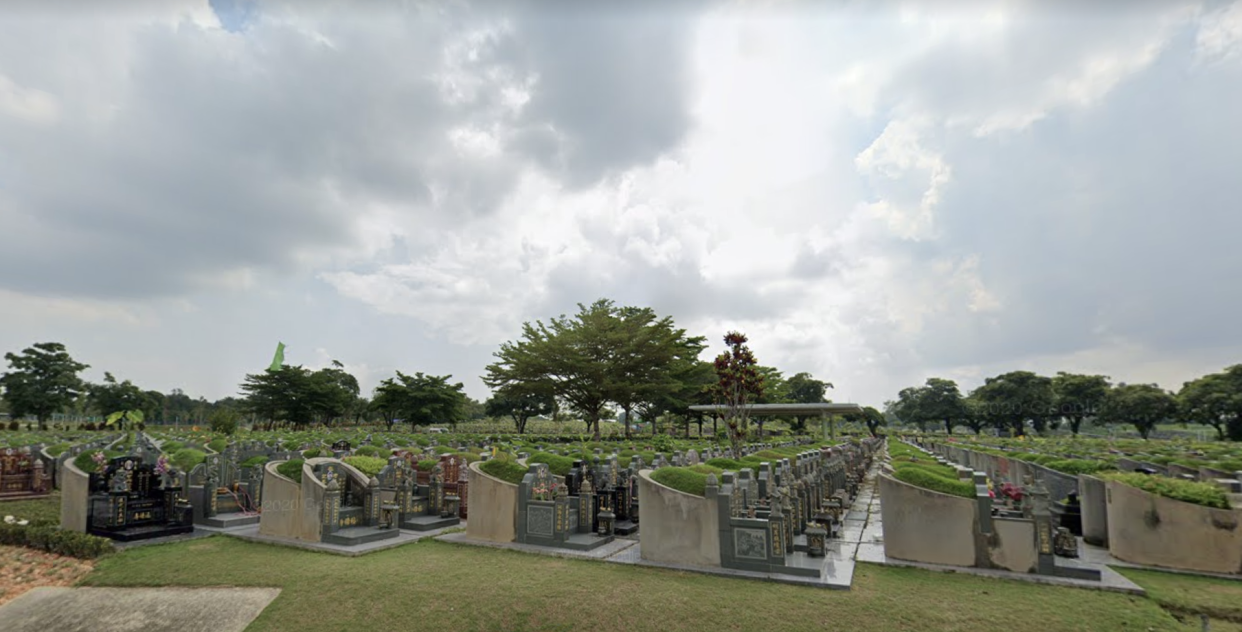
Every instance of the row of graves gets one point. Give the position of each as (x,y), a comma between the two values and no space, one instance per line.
(783,519)
(1019,520)
(597,501)
(1117,520)
(335,503)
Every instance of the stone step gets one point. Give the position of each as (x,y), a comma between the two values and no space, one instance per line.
(429,523)
(625,527)
(230,520)
(353,536)
(145,532)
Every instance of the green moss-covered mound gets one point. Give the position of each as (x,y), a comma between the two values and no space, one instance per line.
(1194,492)
(292,469)
(254,461)
(690,480)
(186,458)
(920,477)
(369,465)
(505,468)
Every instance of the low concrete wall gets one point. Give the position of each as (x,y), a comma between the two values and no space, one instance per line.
(493,507)
(677,528)
(1093,499)
(286,511)
(1147,529)
(1012,545)
(925,526)
(75,491)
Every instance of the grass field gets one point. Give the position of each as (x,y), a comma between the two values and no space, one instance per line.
(457,587)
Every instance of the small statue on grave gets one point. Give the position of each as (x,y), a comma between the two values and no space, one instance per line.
(119,483)
(1065,544)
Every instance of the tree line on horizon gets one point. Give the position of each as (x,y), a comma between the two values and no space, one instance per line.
(1015,401)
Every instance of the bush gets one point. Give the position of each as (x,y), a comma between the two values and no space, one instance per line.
(369,465)
(291,445)
(218,444)
(254,461)
(52,539)
(171,447)
(186,458)
(1194,492)
(505,468)
(401,442)
(422,441)
(426,465)
(224,421)
(367,450)
(311,453)
(920,477)
(291,469)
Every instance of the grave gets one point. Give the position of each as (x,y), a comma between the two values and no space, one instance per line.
(23,475)
(130,500)
(224,494)
(548,516)
(417,507)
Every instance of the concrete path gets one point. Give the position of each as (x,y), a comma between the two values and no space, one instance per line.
(135,609)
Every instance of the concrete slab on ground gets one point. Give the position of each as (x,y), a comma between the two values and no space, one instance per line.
(252,534)
(135,609)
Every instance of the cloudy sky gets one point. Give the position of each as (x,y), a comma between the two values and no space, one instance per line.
(873,195)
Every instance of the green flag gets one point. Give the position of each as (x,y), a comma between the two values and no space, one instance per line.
(279,359)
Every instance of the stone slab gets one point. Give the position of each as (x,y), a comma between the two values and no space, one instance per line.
(252,534)
(135,609)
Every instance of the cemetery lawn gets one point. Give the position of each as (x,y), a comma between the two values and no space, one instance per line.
(438,585)
(1220,599)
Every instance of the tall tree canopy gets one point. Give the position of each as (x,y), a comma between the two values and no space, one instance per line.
(421,400)
(739,384)
(1079,397)
(1142,405)
(603,354)
(1012,399)
(41,380)
(520,404)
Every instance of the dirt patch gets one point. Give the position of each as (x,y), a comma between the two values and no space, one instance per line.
(22,569)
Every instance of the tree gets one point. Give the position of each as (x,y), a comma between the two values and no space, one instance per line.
(1079,397)
(1012,399)
(520,404)
(1212,400)
(804,389)
(1143,405)
(939,399)
(421,399)
(42,380)
(282,395)
(908,408)
(117,397)
(870,416)
(739,384)
(649,362)
(332,392)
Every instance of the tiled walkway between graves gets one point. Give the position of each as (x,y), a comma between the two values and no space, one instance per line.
(137,609)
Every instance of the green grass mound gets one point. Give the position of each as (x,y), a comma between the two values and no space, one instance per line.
(690,480)
(367,450)
(931,467)
(292,469)
(56,450)
(558,465)
(186,458)
(218,445)
(505,468)
(86,462)
(369,465)
(1078,466)
(1194,492)
(312,453)
(171,447)
(254,461)
(920,477)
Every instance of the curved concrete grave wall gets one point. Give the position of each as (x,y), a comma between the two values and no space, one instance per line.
(678,528)
(1093,500)
(1144,528)
(75,491)
(925,526)
(493,507)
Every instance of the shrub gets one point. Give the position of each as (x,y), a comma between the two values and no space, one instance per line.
(186,458)
(254,461)
(1194,492)
(52,539)
(422,441)
(369,465)
(920,477)
(171,447)
(291,445)
(292,469)
(367,450)
(505,468)
(401,442)
(312,453)
(426,465)
(218,444)
(224,421)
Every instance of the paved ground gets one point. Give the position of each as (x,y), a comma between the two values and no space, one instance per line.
(135,609)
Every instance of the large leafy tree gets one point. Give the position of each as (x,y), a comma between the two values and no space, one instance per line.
(1213,400)
(1010,400)
(520,404)
(802,388)
(333,392)
(1079,397)
(120,402)
(939,399)
(422,400)
(286,394)
(908,408)
(652,359)
(1142,405)
(870,416)
(41,380)
(738,385)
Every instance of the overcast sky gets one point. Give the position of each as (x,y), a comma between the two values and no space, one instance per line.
(873,196)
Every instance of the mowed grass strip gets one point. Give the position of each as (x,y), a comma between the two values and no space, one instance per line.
(437,585)
(1191,594)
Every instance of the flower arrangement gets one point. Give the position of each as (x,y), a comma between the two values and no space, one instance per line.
(100,459)
(162,465)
